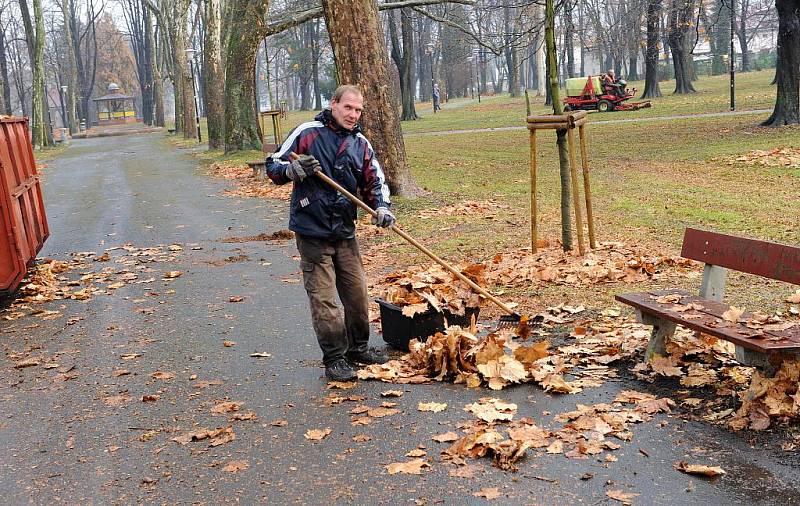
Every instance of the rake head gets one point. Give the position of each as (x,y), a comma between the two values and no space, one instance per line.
(522,324)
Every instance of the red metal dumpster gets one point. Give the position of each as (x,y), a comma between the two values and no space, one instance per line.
(23,224)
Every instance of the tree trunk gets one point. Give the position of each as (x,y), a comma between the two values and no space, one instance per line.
(561,135)
(34,31)
(155,64)
(787,100)
(314,67)
(246,30)
(569,32)
(541,74)
(651,87)
(741,33)
(510,52)
(212,74)
(71,77)
(357,39)
(5,108)
(680,24)
(633,72)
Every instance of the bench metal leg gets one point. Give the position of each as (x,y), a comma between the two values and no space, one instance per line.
(662,330)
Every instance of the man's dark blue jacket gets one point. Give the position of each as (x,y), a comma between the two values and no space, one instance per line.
(346,156)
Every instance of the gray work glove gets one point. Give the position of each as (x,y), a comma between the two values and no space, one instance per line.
(301,168)
(384,219)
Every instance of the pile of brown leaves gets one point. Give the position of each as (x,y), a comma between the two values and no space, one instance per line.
(497,360)
(611,262)
(788,157)
(702,361)
(416,290)
(102,273)
(586,431)
(248,184)
(486,208)
(768,398)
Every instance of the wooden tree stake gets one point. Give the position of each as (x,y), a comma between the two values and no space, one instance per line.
(534,238)
(586,188)
(576,199)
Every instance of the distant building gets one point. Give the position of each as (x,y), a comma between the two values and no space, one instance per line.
(115,108)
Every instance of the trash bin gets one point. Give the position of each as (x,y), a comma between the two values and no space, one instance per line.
(398,329)
(23,225)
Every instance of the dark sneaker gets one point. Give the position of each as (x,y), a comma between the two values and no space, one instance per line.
(340,370)
(370,356)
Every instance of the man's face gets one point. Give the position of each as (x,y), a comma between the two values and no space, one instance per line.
(347,111)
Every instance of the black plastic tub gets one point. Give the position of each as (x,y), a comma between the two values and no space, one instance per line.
(399,329)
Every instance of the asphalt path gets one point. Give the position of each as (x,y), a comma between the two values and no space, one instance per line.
(60,443)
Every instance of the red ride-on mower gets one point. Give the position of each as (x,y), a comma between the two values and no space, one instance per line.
(589,93)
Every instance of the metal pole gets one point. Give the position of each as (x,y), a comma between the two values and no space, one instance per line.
(733,57)
(433,83)
(196,107)
(478,75)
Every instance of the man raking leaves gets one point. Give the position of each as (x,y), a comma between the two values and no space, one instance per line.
(322,214)
(323,221)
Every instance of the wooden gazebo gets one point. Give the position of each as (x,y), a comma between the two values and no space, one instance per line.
(115,107)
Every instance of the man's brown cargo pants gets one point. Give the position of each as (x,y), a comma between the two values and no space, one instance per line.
(331,267)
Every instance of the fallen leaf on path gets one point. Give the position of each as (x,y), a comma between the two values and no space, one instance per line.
(150,398)
(279,423)
(621,496)
(492,409)
(362,438)
(130,356)
(434,407)
(172,274)
(317,434)
(161,375)
(380,412)
(236,298)
(392,393)
(411,467)
(417,452)
(446,437)
(341,385)
(228,344)
(116,400)
(699,469)
(235,466)
(488,493)
(28,362)
(226,407)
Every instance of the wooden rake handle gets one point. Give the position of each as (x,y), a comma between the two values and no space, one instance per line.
(397,230)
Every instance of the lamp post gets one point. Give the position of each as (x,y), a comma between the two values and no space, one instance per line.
(471,86)
(190,53)
(477,73)
(429,52)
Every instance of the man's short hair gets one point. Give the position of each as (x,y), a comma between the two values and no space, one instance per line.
(345,89)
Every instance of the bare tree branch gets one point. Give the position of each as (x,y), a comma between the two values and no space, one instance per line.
(291,20)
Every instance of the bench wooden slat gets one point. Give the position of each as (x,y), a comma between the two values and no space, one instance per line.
(717,309)
(762,258)
(706,322)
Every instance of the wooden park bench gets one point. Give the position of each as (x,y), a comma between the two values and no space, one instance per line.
(758,343)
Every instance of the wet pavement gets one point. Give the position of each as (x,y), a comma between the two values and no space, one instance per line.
(63,443)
